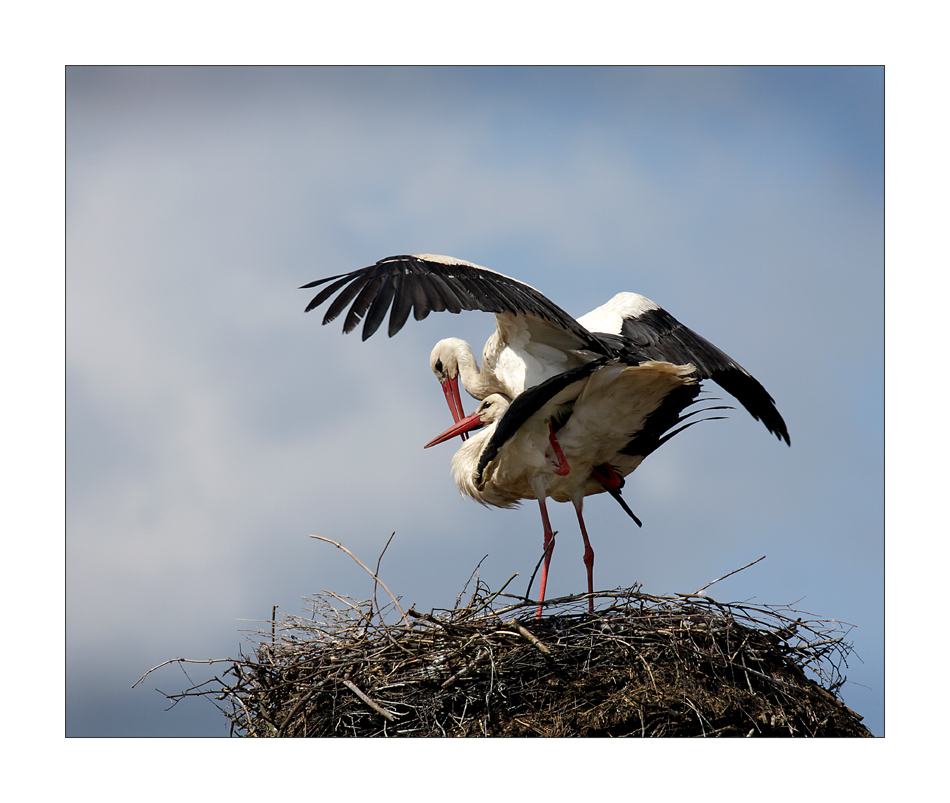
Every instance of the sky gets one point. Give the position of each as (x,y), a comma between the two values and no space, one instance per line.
(212,426)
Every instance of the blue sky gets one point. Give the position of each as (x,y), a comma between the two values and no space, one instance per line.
(212,426)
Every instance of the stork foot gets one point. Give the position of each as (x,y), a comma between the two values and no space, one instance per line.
(607,476)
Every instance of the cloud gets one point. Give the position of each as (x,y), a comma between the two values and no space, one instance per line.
(213,426)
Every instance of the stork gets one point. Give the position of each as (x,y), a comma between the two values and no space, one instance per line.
(609,414)
(534,339)
(535,343)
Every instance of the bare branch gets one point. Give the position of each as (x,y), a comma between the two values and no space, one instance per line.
(529,635)
(734,571)
(369,701)
(372,574)
(182,661)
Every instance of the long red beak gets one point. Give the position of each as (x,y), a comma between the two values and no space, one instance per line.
(454,399)
(472,421)
(450,387)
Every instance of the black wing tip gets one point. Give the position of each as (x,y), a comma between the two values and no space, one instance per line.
(311,306)
(383,268)
(318,282)
(776,427)
(781,431)
(774,423)
(427,283)
(318,299)
(772,419)
(757,401)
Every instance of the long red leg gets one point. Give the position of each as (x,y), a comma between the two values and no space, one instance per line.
(588,553)
(548,551)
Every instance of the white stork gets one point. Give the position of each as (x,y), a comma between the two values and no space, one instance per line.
(535,341)
(608,417)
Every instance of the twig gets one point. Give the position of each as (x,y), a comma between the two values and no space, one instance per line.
(529,635)
(701,590)
(544,553)
(487,602)
(338,545)
(468,667)
(182,661)
(300,704)
(379,560)
(368,700)
(458,599)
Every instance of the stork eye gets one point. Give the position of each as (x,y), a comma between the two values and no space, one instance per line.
(438,367)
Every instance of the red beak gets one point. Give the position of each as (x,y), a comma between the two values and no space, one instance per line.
(450,387)
(472,421)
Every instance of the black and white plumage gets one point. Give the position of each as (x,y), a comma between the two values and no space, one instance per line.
(544,371)
(572,436)
(535,339)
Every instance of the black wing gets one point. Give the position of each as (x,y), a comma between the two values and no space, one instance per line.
(656,335)
(426,283)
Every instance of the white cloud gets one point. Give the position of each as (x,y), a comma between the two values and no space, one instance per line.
(214,426)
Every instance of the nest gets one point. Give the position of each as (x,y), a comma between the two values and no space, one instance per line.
(640,665)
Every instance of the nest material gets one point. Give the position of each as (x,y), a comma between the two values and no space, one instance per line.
(642,665)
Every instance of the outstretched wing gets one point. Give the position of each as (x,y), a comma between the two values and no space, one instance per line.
(427,283)
(649,332)
(659,336)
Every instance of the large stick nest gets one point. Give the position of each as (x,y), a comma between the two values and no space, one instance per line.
(641,665)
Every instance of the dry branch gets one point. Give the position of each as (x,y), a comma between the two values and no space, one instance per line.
(643,665)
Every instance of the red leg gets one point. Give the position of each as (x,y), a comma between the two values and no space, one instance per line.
(588,554)
(606,476)
(560,460)
(548,551)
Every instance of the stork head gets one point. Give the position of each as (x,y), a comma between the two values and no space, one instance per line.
(488,412)
(444,362)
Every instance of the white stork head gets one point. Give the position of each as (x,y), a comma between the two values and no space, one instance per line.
(444,361)
(487,413)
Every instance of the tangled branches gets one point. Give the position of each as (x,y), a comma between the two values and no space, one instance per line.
(642,665)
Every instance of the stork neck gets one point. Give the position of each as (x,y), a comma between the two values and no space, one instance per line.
(479,383)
